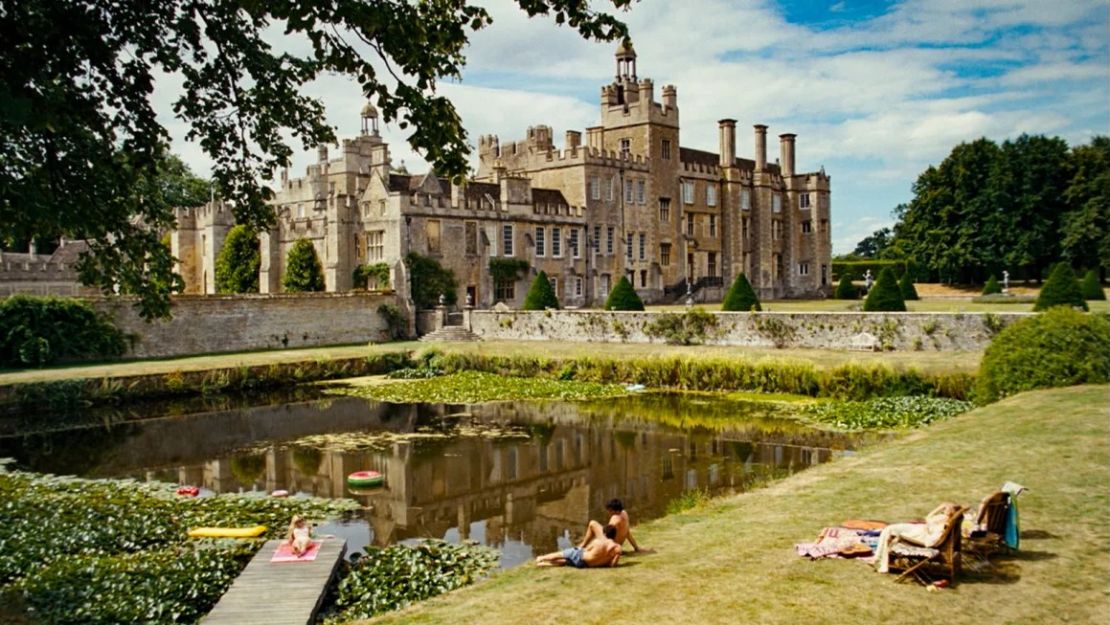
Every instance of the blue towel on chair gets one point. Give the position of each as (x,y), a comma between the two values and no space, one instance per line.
(1010,535)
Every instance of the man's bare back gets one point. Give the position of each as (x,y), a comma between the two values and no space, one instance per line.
(602,552)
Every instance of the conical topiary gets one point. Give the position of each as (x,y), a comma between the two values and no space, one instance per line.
(845,289)
(741,297)
(540,295)
(303,271)
(1061,289)
(623,297)
(905,285)
(1091,288)
(992,287)
(885,296)
(238,262)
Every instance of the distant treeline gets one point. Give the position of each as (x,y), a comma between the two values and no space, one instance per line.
(1020,206)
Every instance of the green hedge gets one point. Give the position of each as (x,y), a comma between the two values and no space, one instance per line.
(855,269)
(36,331)
(845,289)
(623,297)
(992,287)
(885,296)
(1061,289)
(741,297)
(541,295)
(1091,287)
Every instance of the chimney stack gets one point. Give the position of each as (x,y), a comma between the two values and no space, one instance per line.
(322,153)
(574,140)
(760,147)
(786,154)
(727,135)
(670,97)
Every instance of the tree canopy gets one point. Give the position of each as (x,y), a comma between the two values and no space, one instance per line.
(81,148)
(238,263)
(303,271)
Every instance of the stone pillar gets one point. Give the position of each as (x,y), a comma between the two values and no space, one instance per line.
(760,147)
(786,154)
(727,136)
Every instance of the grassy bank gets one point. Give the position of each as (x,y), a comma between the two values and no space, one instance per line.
(731,560)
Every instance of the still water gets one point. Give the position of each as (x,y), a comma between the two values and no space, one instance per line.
(522,477)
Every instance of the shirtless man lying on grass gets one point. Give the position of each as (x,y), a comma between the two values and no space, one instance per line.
(618,518)
(599,553)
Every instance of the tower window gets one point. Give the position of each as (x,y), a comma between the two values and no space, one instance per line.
(688,192)
(626,147)
(710,195)
(665,149)
(664,209)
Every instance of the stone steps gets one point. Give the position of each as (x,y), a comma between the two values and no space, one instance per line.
(457,334)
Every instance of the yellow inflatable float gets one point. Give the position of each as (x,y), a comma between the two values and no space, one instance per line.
(227,532)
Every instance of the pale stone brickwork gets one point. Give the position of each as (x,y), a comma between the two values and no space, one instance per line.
(43,274)
(629,201)
(864,331)
(248,322)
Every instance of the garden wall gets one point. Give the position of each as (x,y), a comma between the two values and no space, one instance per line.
(864,331)
(204,324)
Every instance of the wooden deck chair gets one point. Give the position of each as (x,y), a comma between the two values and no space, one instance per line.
(918,560)
(989,525)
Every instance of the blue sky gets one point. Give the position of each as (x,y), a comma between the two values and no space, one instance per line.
(875,90)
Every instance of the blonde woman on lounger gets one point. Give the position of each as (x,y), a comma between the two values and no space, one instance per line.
(925,534)
(299,535)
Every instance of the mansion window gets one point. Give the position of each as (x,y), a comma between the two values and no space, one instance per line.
(664,209)
(572,243)
(711,264)
(507,239)
(640,194)
(807,226)
(578,286)
(665,254)
(540,242)
(628,246)
(746,228)
(626,147)
(745,199)
(643,278)
(712,225)
(776,203)
(689,224)
(557,242)
(803,269)
(375,245)
(776,229)
(803,200)
(609,241)
(688,192)
(711,195)
(627,191)
(643,246)
(665,149)
(471,234)
(554,285)
(504,290)
(597,239)
(595,187)
(432,230)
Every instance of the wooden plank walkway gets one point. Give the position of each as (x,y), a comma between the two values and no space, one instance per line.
(287,593)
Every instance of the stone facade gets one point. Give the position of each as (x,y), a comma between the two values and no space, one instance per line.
(630,201)
(43,274)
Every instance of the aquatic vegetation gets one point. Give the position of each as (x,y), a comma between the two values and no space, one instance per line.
(359,441)
(474,387)
(886,412)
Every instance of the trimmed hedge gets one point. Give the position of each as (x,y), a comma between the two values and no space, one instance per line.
(1062,347)
(541,295)
(855,269)
(846,289)
(741,297)
(905,285)
(1061,289)
(303,271)
(992,287)
(885,296)
(623,297)
(1091,288)
(35,331)
(238,263)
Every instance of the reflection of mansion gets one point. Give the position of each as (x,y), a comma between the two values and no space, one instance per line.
(625,200)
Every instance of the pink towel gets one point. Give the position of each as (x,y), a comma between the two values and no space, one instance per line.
(284,553)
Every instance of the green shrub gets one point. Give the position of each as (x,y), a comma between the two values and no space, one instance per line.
(35,331)
(1058,348)
(623,297)
(303,272)
(428,280)
(846,289)
(885,295)
(741,296)
(238,263)
(541,295)
(395,320)
(362,274)
(1091,288)
(905,286)
(1061,289)
(992,287)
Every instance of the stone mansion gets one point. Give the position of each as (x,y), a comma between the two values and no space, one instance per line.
(628,200)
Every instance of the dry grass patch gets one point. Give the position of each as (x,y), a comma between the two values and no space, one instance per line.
(732,560)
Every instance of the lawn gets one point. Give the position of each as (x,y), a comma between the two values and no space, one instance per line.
(731,560)
(939,304)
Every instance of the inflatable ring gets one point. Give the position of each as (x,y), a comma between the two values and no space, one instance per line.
(365,479)
(188,491)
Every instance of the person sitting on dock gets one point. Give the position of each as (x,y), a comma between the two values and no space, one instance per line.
(299,535)
(618,518)
(601,552)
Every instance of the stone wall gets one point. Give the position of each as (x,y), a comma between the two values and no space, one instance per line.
(212,323)
(863,331)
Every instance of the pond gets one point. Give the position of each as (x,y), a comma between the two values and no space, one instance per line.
(522,477)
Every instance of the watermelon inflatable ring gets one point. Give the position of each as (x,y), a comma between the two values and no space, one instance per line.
(365,479)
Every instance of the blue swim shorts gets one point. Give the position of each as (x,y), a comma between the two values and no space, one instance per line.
(573,557)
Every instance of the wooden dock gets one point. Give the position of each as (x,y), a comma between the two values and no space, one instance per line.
(286,593)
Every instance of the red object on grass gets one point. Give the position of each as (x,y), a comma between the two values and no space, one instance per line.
(188,491)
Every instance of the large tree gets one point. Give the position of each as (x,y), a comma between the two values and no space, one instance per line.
(874,244)
(81,146)
(1086,226)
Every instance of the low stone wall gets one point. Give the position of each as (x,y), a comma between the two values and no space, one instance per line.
(863,331)
(230,323)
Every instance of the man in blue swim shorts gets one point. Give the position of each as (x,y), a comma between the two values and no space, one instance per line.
(600,552)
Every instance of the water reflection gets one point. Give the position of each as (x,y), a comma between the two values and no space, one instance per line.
(526,494)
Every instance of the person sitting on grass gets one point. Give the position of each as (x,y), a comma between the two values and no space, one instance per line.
(618,518)
(925,534)
(299,535)
(601,552)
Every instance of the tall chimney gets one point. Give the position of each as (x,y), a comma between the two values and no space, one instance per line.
(322,153)
(574,139)
(760,147)
(727,134)
(786,154)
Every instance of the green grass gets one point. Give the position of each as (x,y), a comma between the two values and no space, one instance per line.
(940,304)
(731,560)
